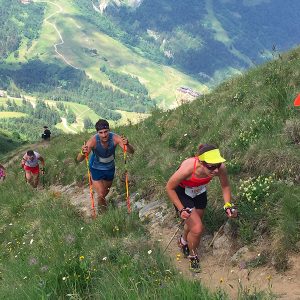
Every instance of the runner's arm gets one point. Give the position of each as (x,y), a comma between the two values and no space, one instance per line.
(184,172)
(224,181)
(3,168)
(86,148)
(123,141)
(23,162)
(229,207)
(41,159)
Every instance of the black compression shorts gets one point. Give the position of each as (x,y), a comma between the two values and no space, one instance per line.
(199,202)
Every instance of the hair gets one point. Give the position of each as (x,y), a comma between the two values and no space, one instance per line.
(101,124)
(202,148)
(30,153)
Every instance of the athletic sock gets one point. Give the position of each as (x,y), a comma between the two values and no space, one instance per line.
(183,242)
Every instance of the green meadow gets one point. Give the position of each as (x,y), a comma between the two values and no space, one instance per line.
(80,110)
(80,36)
(11,114)
(50,251)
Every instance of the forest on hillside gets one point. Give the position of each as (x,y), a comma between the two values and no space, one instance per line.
(58,83)
(184,33)
(53,82)
(18,22)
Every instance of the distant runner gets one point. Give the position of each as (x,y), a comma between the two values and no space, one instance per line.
(186,189)
(46,134)
(102,161)
(30,164)
(2,173)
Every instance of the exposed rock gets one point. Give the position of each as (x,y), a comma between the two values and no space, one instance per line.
(221,246)
(153,210)
(239,255)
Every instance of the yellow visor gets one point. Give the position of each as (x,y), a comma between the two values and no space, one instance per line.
(212,157)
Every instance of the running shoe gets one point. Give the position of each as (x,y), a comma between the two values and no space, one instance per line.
(194,264)
(184,248)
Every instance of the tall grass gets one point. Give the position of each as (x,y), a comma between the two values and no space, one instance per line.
(253,121)
(48,251)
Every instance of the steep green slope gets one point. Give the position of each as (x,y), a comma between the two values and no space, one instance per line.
(70,37)
(252,119)
(8,142)
(19,24)
(206,38)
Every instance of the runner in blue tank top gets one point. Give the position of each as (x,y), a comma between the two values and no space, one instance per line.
(102,160)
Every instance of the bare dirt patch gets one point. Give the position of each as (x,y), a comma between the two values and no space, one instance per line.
(219,273)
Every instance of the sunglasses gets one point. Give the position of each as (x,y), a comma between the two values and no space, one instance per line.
(211,167)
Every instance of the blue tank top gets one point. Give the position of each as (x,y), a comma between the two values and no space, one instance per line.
(103,159)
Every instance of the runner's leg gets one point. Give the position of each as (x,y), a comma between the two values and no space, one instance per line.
(28,177)
(102,188)
(193,229)
(35,180)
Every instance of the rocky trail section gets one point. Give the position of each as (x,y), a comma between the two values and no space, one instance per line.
(224,265)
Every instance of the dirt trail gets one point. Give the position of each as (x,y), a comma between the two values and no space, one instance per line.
(217,273)
(61,42)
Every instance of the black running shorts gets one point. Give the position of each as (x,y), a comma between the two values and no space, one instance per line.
(199,202)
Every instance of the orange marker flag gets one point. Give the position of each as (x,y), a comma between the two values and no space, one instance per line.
(297,101)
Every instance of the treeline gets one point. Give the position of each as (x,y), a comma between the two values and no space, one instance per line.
(41,111)
(265,26)
(144,42)
(125,81)
(68,84)
(178,38)
(18,21)
(26,128)
(180,31)
(29,127)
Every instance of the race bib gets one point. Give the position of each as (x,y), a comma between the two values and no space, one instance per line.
(195,191)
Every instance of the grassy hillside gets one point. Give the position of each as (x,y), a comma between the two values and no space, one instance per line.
(80,111)
(87,48)
(8,142)
(48,250)
(208,39)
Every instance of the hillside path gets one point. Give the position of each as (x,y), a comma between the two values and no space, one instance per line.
(217,272)
(65,124)
(60,10)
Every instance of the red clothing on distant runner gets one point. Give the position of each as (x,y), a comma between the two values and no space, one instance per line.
(33,170)
(195,181)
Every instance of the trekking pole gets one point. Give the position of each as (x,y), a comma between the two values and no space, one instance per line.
(182,221)
(126,180)
(91,186)
(43,177)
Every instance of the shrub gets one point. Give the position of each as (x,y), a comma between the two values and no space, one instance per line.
(292,130)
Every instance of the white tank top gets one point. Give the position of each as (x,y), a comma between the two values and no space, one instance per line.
(31,163)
